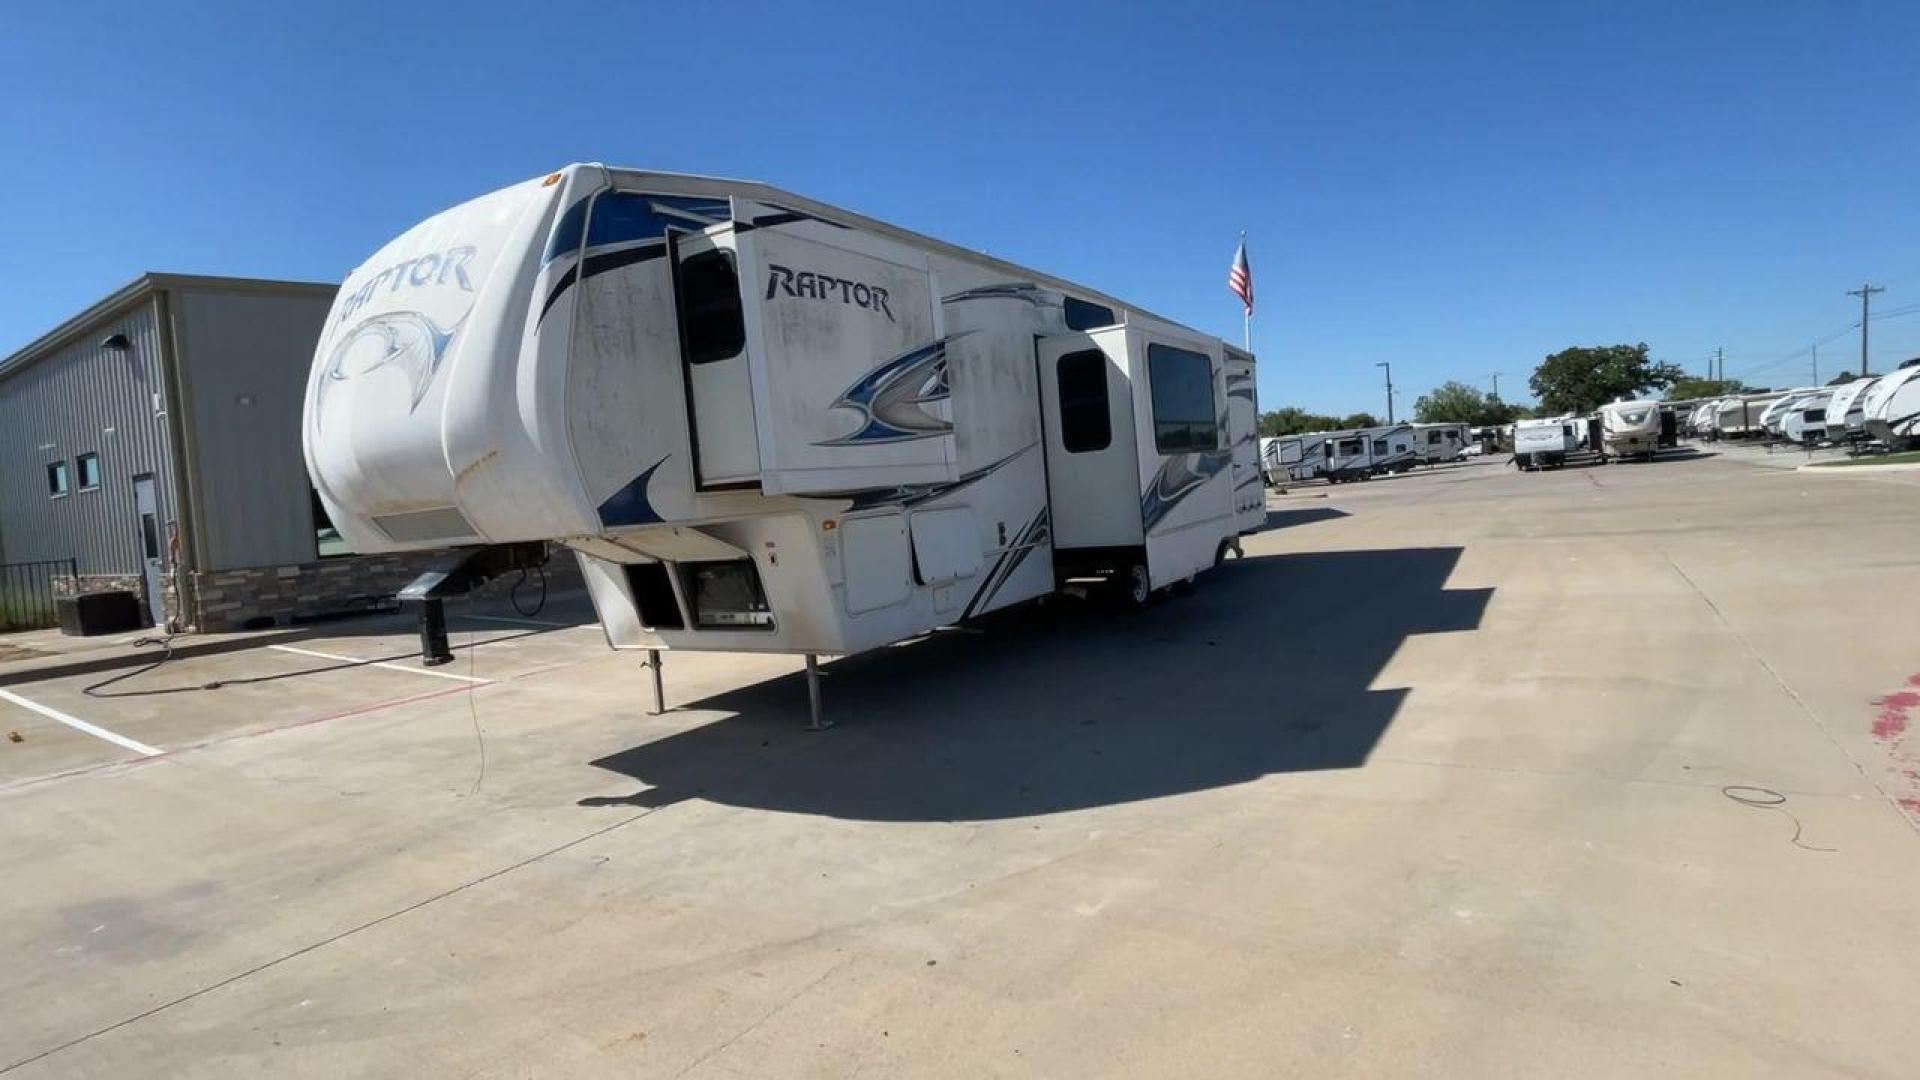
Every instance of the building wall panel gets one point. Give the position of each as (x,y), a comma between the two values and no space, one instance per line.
(245,358)
(85,398)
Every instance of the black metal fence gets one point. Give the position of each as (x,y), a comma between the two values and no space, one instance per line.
(26,593)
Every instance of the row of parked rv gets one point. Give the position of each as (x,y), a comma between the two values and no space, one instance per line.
(1881,410)
(1361,454)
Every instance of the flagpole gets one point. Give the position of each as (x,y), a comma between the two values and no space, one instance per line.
(1246,316)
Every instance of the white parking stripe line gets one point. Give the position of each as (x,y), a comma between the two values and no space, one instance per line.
(389,665)
(78,724)
(530,622)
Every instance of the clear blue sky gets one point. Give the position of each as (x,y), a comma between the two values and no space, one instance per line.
(1458,189)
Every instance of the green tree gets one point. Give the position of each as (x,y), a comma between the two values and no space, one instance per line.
(1359,420)
(1844,378)
(1583,378)
(1687,388)
(1290,420)
(1451,403)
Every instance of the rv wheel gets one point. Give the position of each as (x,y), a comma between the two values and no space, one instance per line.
(1135,586)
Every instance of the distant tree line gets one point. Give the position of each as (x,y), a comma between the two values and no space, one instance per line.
(1293,421)
(1458,403)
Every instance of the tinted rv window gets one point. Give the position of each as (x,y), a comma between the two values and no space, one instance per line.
(710,317)
(56,479)
(1083,401)
(89,471)
(1183,409)
(1380,446)
(1082,315)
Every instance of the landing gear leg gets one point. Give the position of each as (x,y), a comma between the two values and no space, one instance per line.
(434,650)
(659,687)
(815,722)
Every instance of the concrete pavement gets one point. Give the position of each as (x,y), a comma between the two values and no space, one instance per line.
(1430,784)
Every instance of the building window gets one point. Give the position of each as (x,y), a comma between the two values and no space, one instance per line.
(326,539)
(710,316)
(1084,415)
(1084,315)
(1184,420)
(89,468)
(56,479)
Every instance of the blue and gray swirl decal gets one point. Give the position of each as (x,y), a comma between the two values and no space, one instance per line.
(621,228)
(1179,476)
(404,340)
(892,398)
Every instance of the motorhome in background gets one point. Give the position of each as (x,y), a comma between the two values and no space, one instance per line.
(762,423)
(1392,448)
(1438,444)
(1630,428)
(1539,444)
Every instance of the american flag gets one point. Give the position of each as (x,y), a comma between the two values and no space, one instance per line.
(1240,277)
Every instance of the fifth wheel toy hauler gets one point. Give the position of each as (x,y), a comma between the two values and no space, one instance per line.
(762,423)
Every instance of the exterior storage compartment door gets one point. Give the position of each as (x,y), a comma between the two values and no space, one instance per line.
(850,377)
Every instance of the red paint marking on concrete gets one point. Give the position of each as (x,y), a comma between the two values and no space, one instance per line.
(1910,804)
(1913,680)
(1891,723)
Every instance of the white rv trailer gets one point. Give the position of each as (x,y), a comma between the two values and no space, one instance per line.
(1739,416)
(1805,421)
(762,423)
(1701,422)
(1392,448)
(1243,427)
(1349,456)
(1775,414)
(1279,455)
(1437,444)
(1538,444)
(1846,409)
(1630,428)
(1893,415)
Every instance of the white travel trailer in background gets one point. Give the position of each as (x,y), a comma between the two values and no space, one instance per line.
(1846,413)
(1392,448)
(1348,456)
(1281,456)
(1538,444)
(762,423)
(1437,444)
(1630,428)
(1892,413)
(1774,416)
(1739,416)
(1805,421)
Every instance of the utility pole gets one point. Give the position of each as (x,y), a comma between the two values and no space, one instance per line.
(1496,386)
(1816,363)
(1719,365)
(1389,368)
(1865,293)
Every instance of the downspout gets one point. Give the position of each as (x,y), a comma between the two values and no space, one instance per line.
(184,506)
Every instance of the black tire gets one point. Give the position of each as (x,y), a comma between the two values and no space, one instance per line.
(1133,587)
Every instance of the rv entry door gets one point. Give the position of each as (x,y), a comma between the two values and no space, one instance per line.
(1093,470)
(713,357)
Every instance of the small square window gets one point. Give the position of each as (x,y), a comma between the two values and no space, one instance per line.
(89,468)
(56,479)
